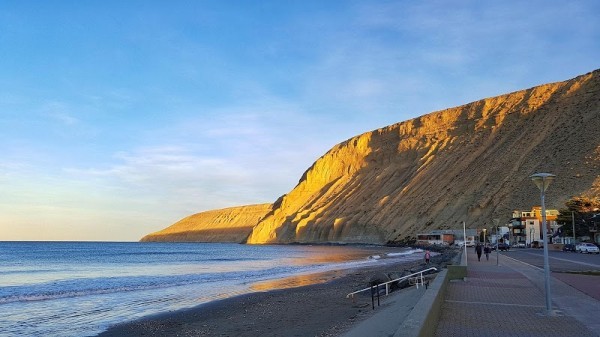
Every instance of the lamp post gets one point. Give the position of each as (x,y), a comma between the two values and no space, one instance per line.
(496,222)
(542,181)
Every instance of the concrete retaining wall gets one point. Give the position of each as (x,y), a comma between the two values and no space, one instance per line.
(458,270)
(422,321)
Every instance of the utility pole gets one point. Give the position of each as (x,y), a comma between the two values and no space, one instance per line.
(465,241)
(573,222)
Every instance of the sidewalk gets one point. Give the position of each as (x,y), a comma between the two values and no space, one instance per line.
(509,300)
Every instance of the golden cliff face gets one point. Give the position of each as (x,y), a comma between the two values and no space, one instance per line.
(470,163)
(225,225)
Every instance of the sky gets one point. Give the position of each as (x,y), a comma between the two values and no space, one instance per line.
(119,118)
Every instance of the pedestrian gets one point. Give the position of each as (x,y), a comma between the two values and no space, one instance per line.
(478,250)
(427,256)
(487,250)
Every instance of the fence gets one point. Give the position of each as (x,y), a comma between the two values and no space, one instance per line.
(418,280)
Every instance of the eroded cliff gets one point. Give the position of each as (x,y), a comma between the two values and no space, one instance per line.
(469,163)
(232,224)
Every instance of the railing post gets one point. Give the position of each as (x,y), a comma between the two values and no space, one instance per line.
(378,295)
(372,298)
(418,279)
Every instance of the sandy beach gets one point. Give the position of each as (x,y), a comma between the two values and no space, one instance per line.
(320,309)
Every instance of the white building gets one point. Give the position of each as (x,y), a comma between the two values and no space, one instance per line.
(526,226)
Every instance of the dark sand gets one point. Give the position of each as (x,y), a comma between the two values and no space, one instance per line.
(312,310)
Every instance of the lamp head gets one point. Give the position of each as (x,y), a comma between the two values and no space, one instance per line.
(542,180)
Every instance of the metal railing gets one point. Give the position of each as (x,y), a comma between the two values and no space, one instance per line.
(418,281)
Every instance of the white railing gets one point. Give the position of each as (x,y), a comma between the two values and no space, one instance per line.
(418,281)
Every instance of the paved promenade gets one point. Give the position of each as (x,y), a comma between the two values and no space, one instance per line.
(509,300)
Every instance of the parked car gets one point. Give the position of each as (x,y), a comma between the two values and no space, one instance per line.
(586,247)
(503,246)
(569,247)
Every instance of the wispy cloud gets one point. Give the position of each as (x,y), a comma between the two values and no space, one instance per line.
(60,112)
(418,52)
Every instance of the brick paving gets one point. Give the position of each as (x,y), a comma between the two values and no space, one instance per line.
(501,301)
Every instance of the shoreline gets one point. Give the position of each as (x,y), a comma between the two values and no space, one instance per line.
(318,309)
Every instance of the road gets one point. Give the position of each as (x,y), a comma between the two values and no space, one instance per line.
(559,261)
(580,271)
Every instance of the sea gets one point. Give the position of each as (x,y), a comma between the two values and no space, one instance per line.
(81,288)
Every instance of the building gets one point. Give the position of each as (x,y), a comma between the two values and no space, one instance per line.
(436,238)
(594,230)
(525,228)
(447,237)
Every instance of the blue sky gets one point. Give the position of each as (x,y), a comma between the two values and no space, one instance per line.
(118,118)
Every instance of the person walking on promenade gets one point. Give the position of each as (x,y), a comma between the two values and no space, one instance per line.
(478,250)
(427,256)
(487,250)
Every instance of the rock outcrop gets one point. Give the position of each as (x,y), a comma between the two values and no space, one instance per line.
(469,163)
(232,224)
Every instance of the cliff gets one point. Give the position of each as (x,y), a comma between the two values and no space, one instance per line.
(469,163)
(225,225)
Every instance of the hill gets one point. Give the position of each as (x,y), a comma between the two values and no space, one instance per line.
(469,163)
(232,224)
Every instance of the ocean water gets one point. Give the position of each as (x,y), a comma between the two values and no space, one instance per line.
(82,288)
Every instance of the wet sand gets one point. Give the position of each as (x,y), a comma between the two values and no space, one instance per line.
(304,310)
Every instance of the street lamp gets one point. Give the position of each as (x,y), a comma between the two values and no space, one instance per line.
(542,181)
(496,222)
